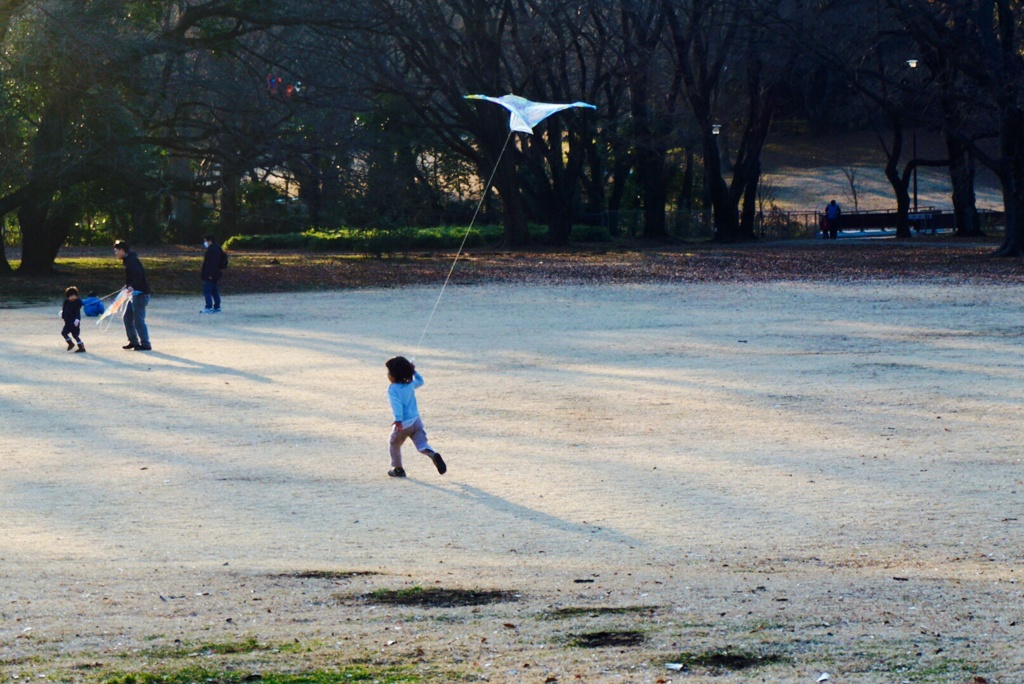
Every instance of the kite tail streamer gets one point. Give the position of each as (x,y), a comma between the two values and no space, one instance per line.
(119,305)
(487,187)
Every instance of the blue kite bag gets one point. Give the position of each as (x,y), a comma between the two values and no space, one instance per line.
(92,306)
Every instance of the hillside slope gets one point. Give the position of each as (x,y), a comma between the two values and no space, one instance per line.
(804,172)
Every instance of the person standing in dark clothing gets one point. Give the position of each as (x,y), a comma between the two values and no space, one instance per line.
(833,214)
(72,315)
(213,263)
(138,289)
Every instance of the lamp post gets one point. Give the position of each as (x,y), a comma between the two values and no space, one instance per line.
(716,130)
(912,63)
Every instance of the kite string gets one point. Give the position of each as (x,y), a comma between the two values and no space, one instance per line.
(117,291)
(451,270)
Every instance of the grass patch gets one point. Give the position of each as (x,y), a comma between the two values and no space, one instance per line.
(596,611)
(379,241)
(175,269)
(910,668)
(729,660)
(325,574)
(184,649)
(436,597)
(353,673)
(607,639)
(231,647)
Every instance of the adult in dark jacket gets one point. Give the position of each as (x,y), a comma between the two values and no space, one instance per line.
(833,215)
(213,264)
(138,288)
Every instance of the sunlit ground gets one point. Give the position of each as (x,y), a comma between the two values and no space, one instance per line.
(832,461)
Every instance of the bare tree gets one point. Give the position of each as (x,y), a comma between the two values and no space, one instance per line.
(106,90)
(973,51)
(432,54)
(850,173)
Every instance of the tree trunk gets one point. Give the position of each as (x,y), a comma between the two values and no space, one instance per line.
(723,204)
(562,189)
(900,183)
(41,236)
(146,230)
(559,227)
(961,163)
(596,187)
(753,177)
(39,246)
(517,230)
(559,208)
(331,189)
(229,204)
(902,213)
(761,104)
(899,187)
(181,220)
(1011,176)
(961,176)
(1013,209)
(5,266)
(309,174)
(620,172)
(685,200)
(651,174)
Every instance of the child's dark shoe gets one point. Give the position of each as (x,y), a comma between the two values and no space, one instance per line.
(71,345)
(396,472)
(438,463)
(81,348)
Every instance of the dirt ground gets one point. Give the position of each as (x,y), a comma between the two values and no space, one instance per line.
(754,482)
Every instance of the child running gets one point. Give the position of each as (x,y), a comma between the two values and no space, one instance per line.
(72,315)
(402,395)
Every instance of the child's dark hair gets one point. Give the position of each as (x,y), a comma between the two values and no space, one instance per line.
(401,369)
(70,291)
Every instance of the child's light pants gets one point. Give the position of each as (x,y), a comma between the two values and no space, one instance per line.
(398,437)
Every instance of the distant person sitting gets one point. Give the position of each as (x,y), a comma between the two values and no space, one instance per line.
(833,214)
(93,305)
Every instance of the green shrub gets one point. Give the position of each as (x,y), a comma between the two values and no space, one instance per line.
(268,242)
(584,233)
(381,241)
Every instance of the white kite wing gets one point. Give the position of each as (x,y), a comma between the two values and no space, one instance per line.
(525,114)
(117,306)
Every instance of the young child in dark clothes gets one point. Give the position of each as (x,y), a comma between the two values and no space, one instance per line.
(72,315)
(402,395)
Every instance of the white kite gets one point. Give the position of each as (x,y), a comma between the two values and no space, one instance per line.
(524,113)
(118,306)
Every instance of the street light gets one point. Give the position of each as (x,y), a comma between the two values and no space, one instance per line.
(716,129)
(912,63)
